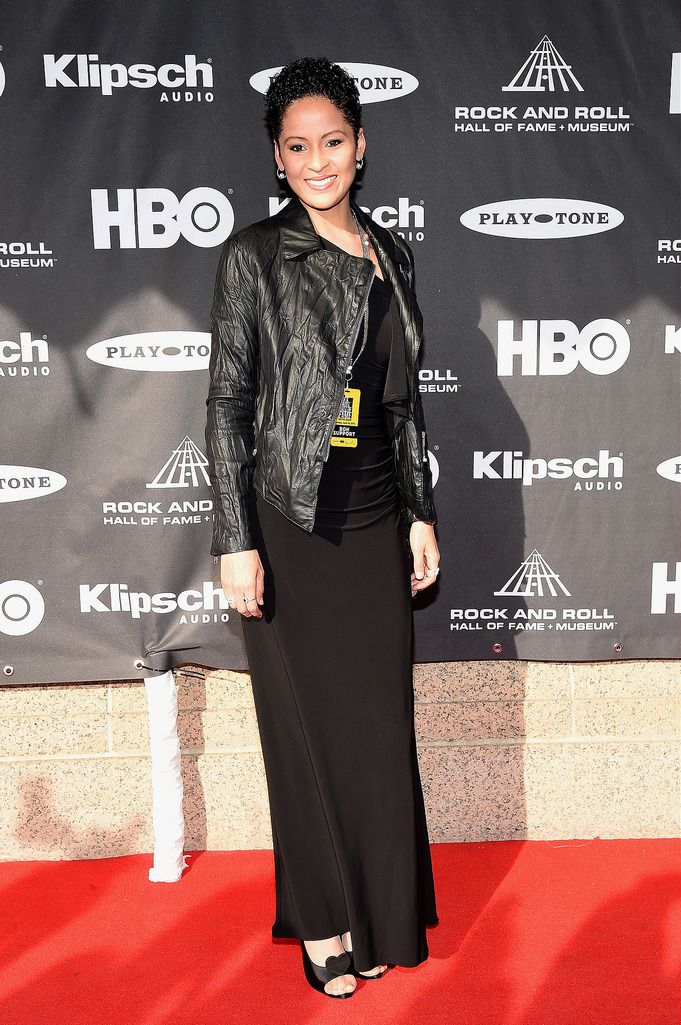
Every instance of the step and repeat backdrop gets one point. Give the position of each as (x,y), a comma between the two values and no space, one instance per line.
(530,155)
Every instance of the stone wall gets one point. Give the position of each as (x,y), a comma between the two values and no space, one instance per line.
(507,750)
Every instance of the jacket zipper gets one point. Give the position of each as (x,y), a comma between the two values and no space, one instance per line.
(351,349)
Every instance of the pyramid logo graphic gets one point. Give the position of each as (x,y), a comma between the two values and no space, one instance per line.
(534,577)
(186,468)
(543,71)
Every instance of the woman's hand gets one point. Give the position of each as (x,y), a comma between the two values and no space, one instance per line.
(426,555)
(242,574)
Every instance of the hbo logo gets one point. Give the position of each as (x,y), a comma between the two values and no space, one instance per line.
(550,347)
(155,218)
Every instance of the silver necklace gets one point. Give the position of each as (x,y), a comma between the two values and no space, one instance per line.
(365,254)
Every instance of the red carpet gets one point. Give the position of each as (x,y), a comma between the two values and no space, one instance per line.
(530,933)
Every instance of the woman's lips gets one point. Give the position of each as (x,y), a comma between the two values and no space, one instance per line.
(319,185)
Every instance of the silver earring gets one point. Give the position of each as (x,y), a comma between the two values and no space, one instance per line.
(280,173)
(359,164)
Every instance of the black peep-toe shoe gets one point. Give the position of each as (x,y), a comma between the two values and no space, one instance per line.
(356,972)
(318,975)
(370,978)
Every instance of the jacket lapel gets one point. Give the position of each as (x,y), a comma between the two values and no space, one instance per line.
(298,236)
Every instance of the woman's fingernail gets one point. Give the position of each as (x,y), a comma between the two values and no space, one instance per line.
(419,576)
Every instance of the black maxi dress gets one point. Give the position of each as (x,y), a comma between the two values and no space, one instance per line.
(331,670)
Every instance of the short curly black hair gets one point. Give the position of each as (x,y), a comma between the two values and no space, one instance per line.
(312,76)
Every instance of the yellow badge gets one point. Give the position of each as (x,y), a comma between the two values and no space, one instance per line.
(345,430)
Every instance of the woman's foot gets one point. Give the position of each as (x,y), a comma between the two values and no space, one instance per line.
(346,940)
(318,951)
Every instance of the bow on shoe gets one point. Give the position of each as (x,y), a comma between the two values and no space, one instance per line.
(339,964)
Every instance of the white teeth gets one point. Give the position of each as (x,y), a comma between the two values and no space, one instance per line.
(319,184)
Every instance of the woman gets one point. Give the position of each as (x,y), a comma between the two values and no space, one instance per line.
(318,463)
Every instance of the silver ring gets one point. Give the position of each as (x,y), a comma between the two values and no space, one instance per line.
(247,599)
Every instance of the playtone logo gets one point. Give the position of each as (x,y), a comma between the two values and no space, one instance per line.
(19,483)
(153,350)
(541,218)
(670,469)
(374,81)
(84,71)
(513,466)
(554,347)
(117,598)
(156,218)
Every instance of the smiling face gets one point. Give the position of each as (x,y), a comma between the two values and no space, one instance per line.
(317,150)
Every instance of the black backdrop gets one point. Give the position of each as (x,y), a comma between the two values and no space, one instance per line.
(529,152)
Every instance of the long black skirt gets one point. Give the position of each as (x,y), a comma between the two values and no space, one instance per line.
(331,670)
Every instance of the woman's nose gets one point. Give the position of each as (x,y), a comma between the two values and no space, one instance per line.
(317,162)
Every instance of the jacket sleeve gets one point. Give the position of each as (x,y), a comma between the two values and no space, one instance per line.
(427,512)
(234,371)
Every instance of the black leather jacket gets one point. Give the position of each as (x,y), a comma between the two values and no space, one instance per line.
(285,316)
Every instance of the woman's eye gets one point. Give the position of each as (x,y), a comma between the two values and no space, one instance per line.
(294,146)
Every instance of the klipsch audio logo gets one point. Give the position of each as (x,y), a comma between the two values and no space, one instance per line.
(541,218)
(156,218)
(603,473)
(672,338)
(374,81)
(19,483)
(557,347)
(196,607)
(165,351)
(185,467)
(22,607)
(29,357)
(407,218)
(533,579)
(544,73)
(191,81)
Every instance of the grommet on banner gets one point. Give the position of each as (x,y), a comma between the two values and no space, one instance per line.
(618,645)
(497,648)
(8,670)
(139,664)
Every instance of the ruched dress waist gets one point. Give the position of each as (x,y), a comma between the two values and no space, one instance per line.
(357,486)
